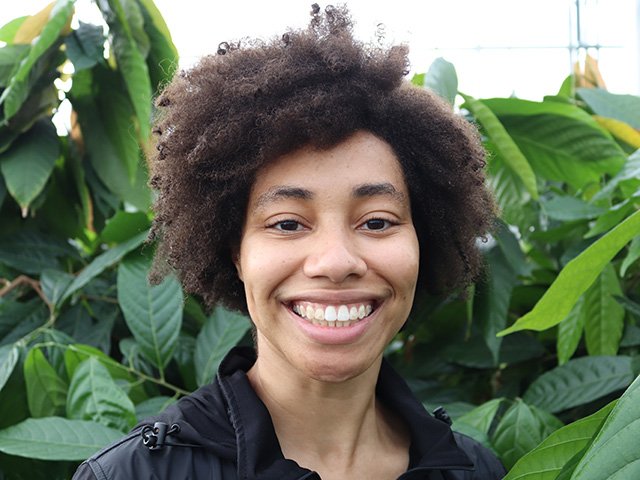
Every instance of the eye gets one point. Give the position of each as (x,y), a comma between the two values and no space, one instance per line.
(377,224)
(287,226)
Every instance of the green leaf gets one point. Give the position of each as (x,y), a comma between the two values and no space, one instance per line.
(18,89)
(131,63)
(46,391)
(107,126)
(614,452)
(93,395)
(125,225)
(54,283)
(579,381)
(441,78)
(56,438)
(625,108)
(567,208)
(9,355)
(492,298)
(482,417)
(85,46)
(548,459)
(9,56)
(222,331)
(565,149)
(153,313)
(507,148)
(570,332)
(603,315)
(17,319)
(630,170)
(632,255)
(8,31)
(520,430)
(153,406)
(102,262)
(27,165)
(611,218)
(163,55)
(576,277)
(32,252)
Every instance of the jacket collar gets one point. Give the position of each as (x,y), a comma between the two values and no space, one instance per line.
(432,441)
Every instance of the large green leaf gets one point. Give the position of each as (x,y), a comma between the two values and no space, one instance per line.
(102,262)
(548,459)
(507,148)
(570,332)
(8,31)
(56,438)
(18,89)
(520,430)
(603,315)
(46,391)
(107,126)
(504,107)
(632,255)
(625,108)
(9,56)
(9,355)
(222,331)
(18,319)
(85,46)
(579,381)
(492,296)
(441,78)
(566,149)
(33,252)
(482,417)
(163,55)
(630,170)
(566,208)
(93,395)
(614,453)
(153,313)
(131,62)
(27,165)
(576,277)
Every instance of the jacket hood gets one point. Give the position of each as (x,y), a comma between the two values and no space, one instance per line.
(228,419)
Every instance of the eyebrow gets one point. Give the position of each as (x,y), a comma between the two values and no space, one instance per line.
(280,192)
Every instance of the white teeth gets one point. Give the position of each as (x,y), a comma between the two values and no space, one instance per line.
(341,316)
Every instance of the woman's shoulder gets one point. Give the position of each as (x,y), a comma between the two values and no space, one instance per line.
(134,456)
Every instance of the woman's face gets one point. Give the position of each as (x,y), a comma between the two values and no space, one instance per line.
(329,257)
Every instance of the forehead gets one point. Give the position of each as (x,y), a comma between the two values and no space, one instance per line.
(363,164)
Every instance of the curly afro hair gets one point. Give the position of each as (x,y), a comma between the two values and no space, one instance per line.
(234,112)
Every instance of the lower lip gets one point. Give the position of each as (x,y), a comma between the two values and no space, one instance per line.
(333,335)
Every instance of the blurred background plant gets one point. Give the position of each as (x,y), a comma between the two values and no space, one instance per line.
(532,364)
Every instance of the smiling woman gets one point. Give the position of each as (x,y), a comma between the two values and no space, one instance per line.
(304,182)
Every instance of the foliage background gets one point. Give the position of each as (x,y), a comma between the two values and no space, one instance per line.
(537,364)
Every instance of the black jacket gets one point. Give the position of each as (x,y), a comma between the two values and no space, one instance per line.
(224,431)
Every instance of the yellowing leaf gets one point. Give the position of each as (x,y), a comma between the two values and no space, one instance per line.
(620,130)
(33,25)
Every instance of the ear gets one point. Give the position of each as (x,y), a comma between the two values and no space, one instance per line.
(235,258)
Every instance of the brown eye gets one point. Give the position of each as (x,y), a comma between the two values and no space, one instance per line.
(288,225)
(377,224)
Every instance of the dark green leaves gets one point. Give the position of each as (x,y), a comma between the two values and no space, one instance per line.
(56,438)
(153,313)
(221,331)
(579,381)
(27,165)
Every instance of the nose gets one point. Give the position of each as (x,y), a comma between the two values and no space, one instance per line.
(334,255)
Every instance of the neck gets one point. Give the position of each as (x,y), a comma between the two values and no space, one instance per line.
(330,427)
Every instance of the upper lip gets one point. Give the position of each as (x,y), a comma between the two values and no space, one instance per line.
(333,297)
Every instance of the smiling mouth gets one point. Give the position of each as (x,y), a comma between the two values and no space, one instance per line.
(333,315)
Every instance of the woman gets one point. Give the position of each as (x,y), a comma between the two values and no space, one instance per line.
(304,183)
